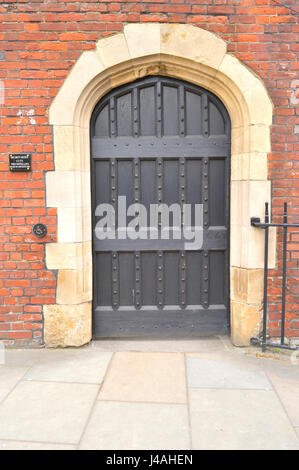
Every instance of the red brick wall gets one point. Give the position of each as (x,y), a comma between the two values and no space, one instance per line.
(40,41)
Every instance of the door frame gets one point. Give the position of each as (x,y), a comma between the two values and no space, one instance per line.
(168,50)
(99,106)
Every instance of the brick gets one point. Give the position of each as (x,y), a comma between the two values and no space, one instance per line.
(53,46)
(72,36)
(221,9)
(19,334)
(41,42)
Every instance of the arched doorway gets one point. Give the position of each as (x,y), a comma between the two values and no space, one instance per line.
(143,50)
(161,141)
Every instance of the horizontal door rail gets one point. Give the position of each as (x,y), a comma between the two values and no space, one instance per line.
(151,147)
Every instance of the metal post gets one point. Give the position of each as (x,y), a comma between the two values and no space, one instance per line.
(265,277)
(284,273)
(256,222)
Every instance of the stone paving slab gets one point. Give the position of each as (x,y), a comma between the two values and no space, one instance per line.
(71,366)
(155,345)
(46,412)
(236,356)
(284,369)
(128,426)
(9,377)
(52,398)
(146,377)
(288,392)
(23,357)
(239,419)
(205,373)
(23,445)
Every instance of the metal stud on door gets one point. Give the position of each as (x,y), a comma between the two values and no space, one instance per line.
(161,141)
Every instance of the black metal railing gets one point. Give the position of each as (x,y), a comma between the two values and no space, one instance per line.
(256,222)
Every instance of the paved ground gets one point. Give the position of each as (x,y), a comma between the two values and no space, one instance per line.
(199,394)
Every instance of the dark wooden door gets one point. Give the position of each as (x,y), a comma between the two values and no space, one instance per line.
(161,140)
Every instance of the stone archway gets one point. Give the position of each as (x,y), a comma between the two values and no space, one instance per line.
(187,53)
